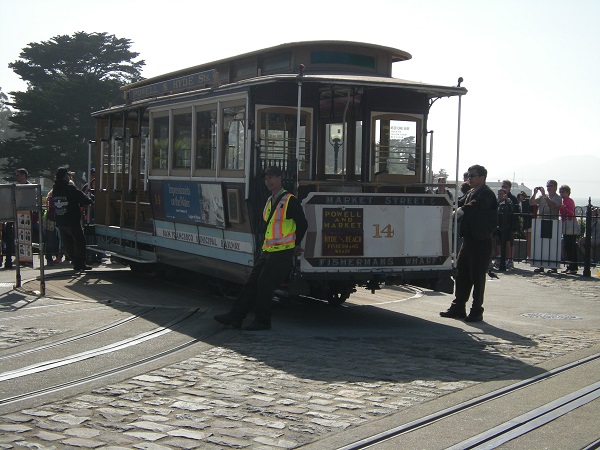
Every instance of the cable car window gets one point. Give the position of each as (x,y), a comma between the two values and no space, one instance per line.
(397,148)
(335,160)
(233,138)
(160,141)
(182,139)
(358,149)
(345,58)
(277,136)
(206,139)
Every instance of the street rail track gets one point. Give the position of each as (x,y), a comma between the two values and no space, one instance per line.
(112,371)
(177,323)
(508,430)
(71,339)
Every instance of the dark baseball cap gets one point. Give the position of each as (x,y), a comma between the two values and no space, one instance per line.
(61,172)
(273,171)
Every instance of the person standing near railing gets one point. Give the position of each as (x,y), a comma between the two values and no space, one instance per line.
(570,228)
(548,206)
(67,201)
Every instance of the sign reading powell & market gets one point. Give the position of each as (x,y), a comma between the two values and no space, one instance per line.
(176,84)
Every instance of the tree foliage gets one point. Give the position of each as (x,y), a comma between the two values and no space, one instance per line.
(5,115)
(68,78)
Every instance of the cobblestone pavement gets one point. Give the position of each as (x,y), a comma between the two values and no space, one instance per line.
(280,389)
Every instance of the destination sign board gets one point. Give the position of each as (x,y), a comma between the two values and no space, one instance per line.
(196,80)
(390,232)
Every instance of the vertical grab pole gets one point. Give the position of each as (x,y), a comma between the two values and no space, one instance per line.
(89,178)
(144,151)
(298,112)
(130,162)
(101,168)
(15,236)
(42,252)
(430,177)
(454,235)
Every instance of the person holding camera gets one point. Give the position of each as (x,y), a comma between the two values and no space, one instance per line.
(548,206)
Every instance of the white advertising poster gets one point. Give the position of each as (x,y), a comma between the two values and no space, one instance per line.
(545,243)
(23,230)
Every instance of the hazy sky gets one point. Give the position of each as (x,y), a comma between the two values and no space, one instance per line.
(532,67)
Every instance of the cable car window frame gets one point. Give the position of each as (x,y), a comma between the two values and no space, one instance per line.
(306,115)
(153,169)
(175,139)
(240,151)
(376,173)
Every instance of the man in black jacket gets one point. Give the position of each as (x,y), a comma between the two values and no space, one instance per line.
(479,219)
(68,201)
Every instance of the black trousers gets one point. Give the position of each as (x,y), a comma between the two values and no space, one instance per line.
(472,266)
(271,269)
(571,250)
(8,240)
(74,243)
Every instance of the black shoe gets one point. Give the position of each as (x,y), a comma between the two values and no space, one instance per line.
(228,319)
(453,314)
(257,326)
(82,268)
(474,318)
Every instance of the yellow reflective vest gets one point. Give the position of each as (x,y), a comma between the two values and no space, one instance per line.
(281,232)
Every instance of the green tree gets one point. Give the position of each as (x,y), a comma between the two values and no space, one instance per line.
(5,115)
(68,78)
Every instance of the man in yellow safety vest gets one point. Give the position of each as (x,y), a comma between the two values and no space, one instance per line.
(285,228)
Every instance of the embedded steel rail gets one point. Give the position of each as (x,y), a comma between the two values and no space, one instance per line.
(111,371)
(108,327)
(527,422)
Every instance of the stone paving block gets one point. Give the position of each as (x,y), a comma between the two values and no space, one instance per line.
(279,443)
(37,412)
(7,439)
(266,423)
(95,399)
(191,434)
(52,426)
(150,378)
(68,419)
(145,435)
(151,446)
(48,436)
(85,443)
(228,442)
(189,406)
(8,428)
(85,433)
(153,426)
(153,418)
(17,418)
(182,443)
(153,410)
(114,413)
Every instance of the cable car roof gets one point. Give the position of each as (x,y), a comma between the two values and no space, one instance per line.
(359,81)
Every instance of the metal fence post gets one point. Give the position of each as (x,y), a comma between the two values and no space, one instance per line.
(587,272)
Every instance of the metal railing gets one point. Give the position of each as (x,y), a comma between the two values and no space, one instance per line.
(549,242)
